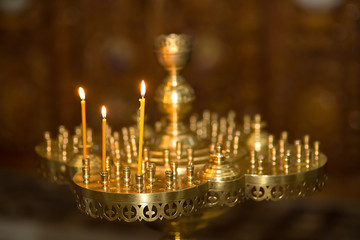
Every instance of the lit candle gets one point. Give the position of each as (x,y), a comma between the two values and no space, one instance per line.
(103,112)
(141,133)
(83,118)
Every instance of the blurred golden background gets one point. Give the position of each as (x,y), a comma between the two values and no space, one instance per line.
(296,62)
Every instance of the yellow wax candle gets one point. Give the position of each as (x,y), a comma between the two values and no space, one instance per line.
(83,118)
(141,123)
(103,112)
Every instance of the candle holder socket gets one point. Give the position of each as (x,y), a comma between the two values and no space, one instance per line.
(139,182)
(104,180)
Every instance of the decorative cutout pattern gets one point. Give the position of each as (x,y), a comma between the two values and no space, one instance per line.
(278,192)
(227,198)
(131,212)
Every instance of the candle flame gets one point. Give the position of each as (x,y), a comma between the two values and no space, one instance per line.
(82,93)
(103,111)
(143,88)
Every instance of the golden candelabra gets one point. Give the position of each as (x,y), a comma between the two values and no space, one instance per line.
(191,173)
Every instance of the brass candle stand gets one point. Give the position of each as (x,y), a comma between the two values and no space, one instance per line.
(191,172)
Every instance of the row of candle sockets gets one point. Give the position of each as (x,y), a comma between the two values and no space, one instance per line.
(227,135)
(225,130)
(130,140)
(203,128)
(147,178)
(63,142)
(149,170)
(113,142)
(130,143)
(256,167)
(211,125)
(115,149)
(256,163)
(279,156)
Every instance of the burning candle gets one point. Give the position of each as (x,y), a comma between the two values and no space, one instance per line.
(83,118)
(141,123)
(103,112)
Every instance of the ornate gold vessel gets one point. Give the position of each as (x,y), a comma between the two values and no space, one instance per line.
(192,172)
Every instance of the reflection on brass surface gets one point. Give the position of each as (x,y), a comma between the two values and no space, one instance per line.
(120,201)
(174,96)
(192,173)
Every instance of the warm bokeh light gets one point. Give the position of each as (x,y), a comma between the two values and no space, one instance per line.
(174,97)
(103,111)
(82,93)
(143,88)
